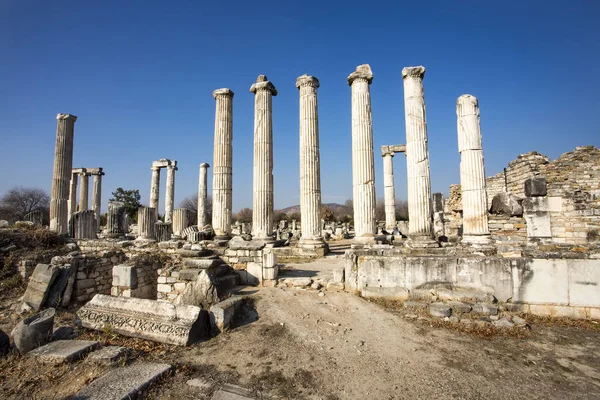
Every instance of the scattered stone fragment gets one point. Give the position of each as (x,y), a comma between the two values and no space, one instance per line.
(299,282)
(503,323)
(63,351)
(34,331)
(4,343)
(232,392)
(64,333)
(199,383)
(335,286)
(123,383)
(453,319)
(392,293)
(108,355)
(460,306)
(39,285)
(316,285)
(483,308)
(518,321)
(440,310)
(222,313)
(415,304)
(202,292)
(411,316)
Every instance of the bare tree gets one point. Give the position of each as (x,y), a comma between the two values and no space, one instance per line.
(191,203)
(345,213)
(327,214)
(20,200)
(244,215)
(380,210)
(402,210)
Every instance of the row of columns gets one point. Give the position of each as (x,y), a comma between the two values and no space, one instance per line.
(171,166)
(83,174)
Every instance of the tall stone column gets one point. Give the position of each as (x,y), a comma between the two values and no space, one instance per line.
(116,219)
(310,164)
(146,222)
(222,164)
(262,199)
(202,195)
(84,189)
(73,194)
(170,194)
(388,188)
(472,172)
(97,194)
(61,177)
(363,164)
(155,187)
(417,160)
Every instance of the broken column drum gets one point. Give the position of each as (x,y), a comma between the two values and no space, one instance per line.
(388,188)
(202,195)
(116,219)
(61,177)
(155,187)
(262,199)
(181,220)
(472,172)
(310,165)
(84,190)
(222,163)
(146,221)
(83,225)
(363,164)
(170,193)
(417,158)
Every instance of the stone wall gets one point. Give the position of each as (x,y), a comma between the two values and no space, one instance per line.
(94,274)
(138,279)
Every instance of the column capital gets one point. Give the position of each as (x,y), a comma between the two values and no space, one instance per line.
(386,151)
(204,165)
(467,105)
(263,84)
(306,80)
(224,92)
(363,72)
(66,117)
(413,72)
(155,168)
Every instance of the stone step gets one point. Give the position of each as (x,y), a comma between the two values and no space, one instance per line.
(202,263)
(108,355)
(222,313)
(193,253)
(123,383)
(63,351)
(227,282)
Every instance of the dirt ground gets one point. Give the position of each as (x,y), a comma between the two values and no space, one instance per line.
(299,345)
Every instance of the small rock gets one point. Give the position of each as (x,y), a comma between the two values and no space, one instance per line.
(453,319)
(415,304)
(71,246)
(335,286)
(316,285)
(518,321)
(440,310)
(321,294)
(466,321)
(494,318)
(460,306)
(503,323)
(3,223)
(199,383)
(64,333)
(411,316)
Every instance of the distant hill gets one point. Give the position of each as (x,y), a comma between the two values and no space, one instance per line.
(335,207)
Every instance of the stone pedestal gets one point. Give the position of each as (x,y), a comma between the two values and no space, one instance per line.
(146,221)
(202,195)
(310,164)
(84,189)
(163,231)
(262,198)
(155,187)
(363,164)
(82,225)
(73,194)
(170,195)
(116,219)
(223,164)
(181,220)
(472,172)
(61,177)
(97,193)
(388,188)
(417,160)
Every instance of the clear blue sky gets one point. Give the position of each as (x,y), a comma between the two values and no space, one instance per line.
(140,75)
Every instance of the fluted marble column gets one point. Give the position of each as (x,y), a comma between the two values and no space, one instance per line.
(61,177)
(417,159)
(170,193)
(155,187)
(363,164)
(310,164)
(472,172)
(146,221)
(223,163)
(97,194)
(116,219)
(73,194)
(84,189)
(388,188)
(202,195)
(262,196)
(181,220)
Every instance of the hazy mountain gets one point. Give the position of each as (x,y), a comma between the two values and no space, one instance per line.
(335,207)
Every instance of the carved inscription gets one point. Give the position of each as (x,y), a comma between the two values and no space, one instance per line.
(93,318)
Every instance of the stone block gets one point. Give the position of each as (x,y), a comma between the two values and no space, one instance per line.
(222,313)
(506,204)
(33,331)
(270,273)
(440,310)
(396,293)
(483,308)
(535,187)
(124,275)
(63,351)
(108,355)
(338,275)
(269,260)
(39,285)
(584,283)
(415,305)
(146,319)
(124,382)
(335,286)
(535,205)
(538,225)
(459,306)
(232,392)
(541,282)
(189,274)
(254,273)
(164,288)
(555,204)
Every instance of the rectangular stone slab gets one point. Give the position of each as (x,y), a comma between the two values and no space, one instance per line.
(123,383)
(232,392)
(39,284)
(159,321)
(63,351)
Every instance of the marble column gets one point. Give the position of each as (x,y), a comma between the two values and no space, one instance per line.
(116,219)
(155,187)
(97,194)
(61,177)
(202,195)
(363,164)
(170,193)
(472,172)
(417,160)
(222,164)
(181,220)
(146,222)
(262,197)
(388,189)
(310,164)
(73,194)
(84,189)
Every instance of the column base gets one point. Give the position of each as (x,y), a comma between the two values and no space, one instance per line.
(484,239)
(223,237)
(421,242)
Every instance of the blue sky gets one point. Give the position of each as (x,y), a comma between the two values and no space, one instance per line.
(140,75)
